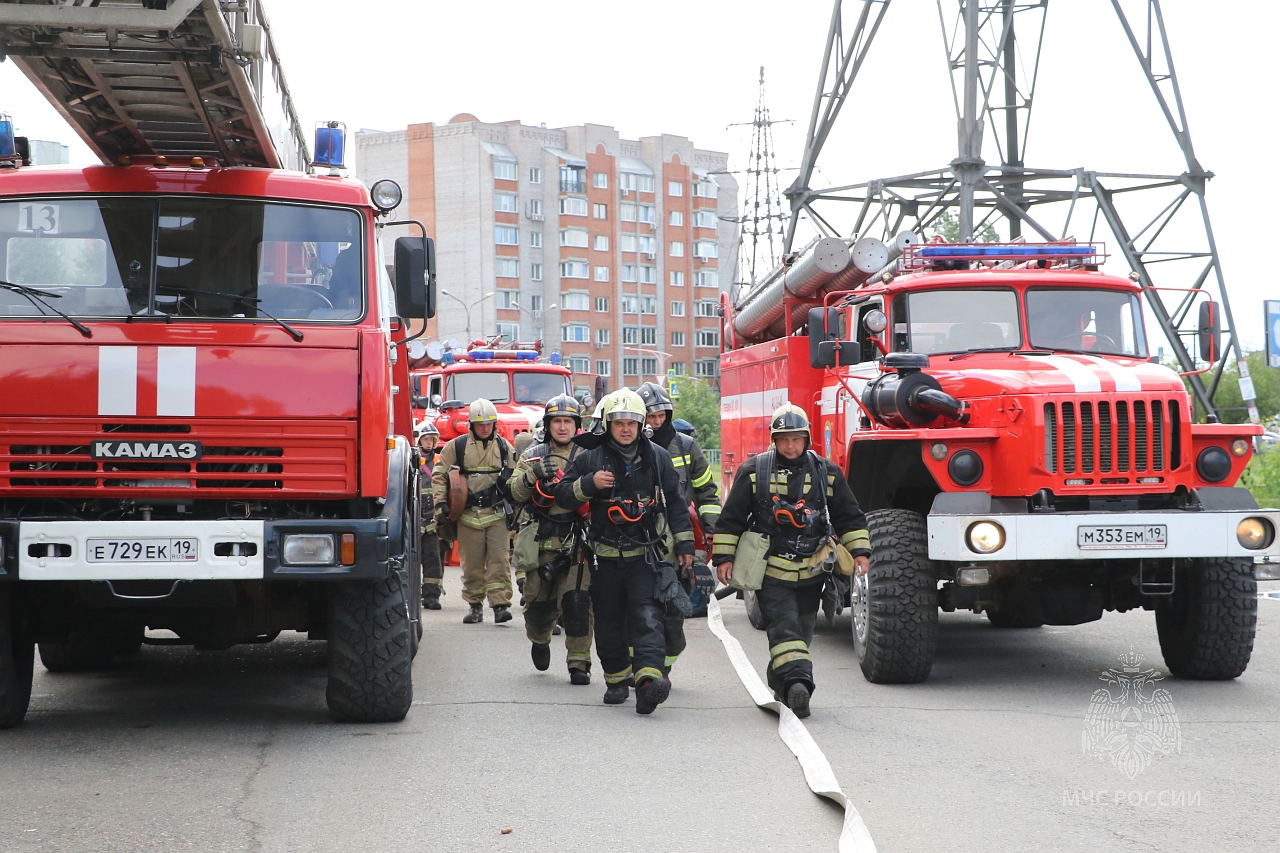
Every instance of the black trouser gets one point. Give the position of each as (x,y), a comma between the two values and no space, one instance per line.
(789,614)
(432,566)
(622,596)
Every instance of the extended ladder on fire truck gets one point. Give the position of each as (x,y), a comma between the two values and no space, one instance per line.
(172,78)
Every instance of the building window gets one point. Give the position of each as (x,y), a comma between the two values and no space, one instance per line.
(648,305)
(601,243)
(707,278)
(535,176)
(677,309)
(630,366)
(579,363)
(573,269)
(535,272)
(705,308)
(576,237)
(600,180)
(602,273)
(649,245)
(602,304)
(627,212)
(575,333)
(649,366)
(508,331)
(649,275)
(602,336)
(575,300)
(676,189)
(648,213)
(534,208)
(506,235)
(508,300)
(705,219)
(504,170)
(603,367)
(631,334)
(639,183)
(677,367)
(629,272)
(677,339)
(627,242)
(649,336)
(535,304)
(506,202)
(677,249)
(535,239)
(573,206)
(677,278)
(705,249)
(705,366)
(676,218)
(600,211)
(708,338)
(706,188)
(573,179)
(506,267)
(630,304)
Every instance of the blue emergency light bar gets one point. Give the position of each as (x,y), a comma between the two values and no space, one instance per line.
(331,144)
(8,148)
(1006,250)
(503,355)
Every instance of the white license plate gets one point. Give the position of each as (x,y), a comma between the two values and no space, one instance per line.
(143,550)
(1108,537)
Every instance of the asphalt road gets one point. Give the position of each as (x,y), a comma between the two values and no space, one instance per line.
(179,750)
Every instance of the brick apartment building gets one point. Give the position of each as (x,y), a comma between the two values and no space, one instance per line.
(613,252)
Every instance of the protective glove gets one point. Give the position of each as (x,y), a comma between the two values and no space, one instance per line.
(544,469)
(703,578)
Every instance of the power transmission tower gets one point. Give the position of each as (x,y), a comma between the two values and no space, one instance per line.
(763,218)
(993,52)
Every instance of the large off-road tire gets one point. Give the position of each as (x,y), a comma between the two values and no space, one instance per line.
(87,648)
(895,605)
(17,662)
(370,651)
(754,615)
(1206,630)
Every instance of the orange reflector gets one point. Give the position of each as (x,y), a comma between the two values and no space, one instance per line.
(391,442)
(348,549)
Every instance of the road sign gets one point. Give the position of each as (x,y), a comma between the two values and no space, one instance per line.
(1271,309)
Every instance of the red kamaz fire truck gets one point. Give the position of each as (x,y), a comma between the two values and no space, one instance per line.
(204,412)
(1018,450)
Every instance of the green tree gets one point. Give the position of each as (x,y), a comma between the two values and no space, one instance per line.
(699,404)
(1262,478)
(948,225)
(1266,384)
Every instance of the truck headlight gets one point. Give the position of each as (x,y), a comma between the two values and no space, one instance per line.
(985,537)
(1255,533)
(965,468)
(386,195)
(1213,464)
(307,549)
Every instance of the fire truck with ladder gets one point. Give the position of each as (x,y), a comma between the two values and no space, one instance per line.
(205,425)
(1018,451)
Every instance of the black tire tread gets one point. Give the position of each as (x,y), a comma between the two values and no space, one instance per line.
(370,651)
(902,607)
(1207,633)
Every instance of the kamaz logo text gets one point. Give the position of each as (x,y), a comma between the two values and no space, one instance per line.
(146,450)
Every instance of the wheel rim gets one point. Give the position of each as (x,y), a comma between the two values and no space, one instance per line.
(859,607)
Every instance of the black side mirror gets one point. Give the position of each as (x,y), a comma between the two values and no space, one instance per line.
(824,343)
(1210,333)
(415,267)
(451,404)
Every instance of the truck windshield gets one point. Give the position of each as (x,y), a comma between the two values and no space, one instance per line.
(537,388)
(940,321)
(1086,320)
(212,258)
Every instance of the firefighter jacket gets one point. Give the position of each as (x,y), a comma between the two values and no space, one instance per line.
(791,480)
(486,465)
(426,488)
(696,484)
(554,523)
(649,480)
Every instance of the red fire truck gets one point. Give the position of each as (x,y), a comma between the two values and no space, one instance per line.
(202,424)
(1018,450)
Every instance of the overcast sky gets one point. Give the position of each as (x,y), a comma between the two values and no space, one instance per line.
(690,68)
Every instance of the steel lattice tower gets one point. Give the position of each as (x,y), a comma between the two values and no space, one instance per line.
(763,219)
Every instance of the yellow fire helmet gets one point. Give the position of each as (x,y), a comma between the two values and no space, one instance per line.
(482,412)
(788,418)
(624,405)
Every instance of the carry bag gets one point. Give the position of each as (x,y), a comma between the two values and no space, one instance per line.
(749,561)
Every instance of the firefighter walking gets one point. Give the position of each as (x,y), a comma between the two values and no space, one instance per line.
(639,532)
(546,549)
(432,559)
(697,489)
(484,460)
(797,499)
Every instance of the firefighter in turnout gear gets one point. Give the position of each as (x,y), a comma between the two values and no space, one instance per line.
(523,441)
(556,574)
(432,559)
(698,490)
(640,532)
(484,459)
(797,499)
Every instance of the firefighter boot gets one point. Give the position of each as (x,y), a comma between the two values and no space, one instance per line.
(616,694)
(798,699)
(502,613)
(651,693)
(431,598)
(541,654)
(579,676)
(474,615)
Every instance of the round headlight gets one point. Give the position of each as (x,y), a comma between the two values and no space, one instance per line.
(985,537)
(386,195)
(1213,464)
(1240,447)
(965,468)
(1255,533)
(875,322)
(938,451)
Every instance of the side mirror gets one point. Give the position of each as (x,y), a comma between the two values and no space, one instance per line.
(824,343)
(415,268)
(452,404)
(1210,332)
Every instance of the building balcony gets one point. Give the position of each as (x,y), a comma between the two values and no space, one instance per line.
(567,186)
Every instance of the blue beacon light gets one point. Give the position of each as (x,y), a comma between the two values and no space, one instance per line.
(8,148)
(331,144)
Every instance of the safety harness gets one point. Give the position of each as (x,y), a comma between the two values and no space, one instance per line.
(794,528)
(495,494)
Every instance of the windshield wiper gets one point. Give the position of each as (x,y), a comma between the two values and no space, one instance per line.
(968,353)
(251,301)
(32,295)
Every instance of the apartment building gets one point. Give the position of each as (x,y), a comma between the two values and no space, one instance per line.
(613,252)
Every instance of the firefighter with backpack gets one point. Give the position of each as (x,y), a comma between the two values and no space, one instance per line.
(789,519)
(640,532)
(469,484)
(547,544)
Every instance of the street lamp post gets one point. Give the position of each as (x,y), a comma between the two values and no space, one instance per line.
(467,307)
(536,317)
(661,356)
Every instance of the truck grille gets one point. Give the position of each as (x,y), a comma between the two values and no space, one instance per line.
(1112,437)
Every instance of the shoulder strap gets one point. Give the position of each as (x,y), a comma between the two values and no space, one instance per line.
(764,470)
(460,453)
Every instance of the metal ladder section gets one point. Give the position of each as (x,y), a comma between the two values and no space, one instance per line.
(179,78)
